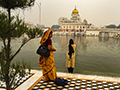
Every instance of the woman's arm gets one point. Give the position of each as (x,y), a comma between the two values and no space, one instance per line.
(50,48)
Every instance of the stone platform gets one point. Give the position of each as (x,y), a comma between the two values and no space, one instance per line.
(76,82)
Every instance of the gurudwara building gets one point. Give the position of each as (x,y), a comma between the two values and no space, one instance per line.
(74,25)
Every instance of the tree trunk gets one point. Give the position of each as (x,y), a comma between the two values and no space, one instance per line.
(9,38)
(7,79)
(9,14)
(8,87)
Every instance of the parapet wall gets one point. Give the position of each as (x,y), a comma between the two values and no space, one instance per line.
(102,29)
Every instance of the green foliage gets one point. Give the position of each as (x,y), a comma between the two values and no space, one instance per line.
(13,4)
(16,27)
(16,70)
(118,26)
(13,27)
(89,25)
(3,63)
(29,67)
(32,33)
(24,40)
(3,26)
(111,26)
(55,27)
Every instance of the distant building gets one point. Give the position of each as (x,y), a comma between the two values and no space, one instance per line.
(43,27)
(31,25)
(74,24)
(60,19)
(38,25)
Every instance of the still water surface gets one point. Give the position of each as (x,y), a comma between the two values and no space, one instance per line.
(94,55)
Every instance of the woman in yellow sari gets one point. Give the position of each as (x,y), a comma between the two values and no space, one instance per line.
(48,64)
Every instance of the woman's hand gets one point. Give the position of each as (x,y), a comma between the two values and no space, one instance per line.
(51,49)
(54,49)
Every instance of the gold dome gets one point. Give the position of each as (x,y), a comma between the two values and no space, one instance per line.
(66,20)
(63,18)
(75,11)
(85,20)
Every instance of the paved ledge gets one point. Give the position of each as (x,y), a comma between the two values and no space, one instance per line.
(38,74)
(90,77)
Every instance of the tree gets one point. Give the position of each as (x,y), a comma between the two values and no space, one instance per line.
(118,26)
(89,25)
(14,4)
(10,28)
(111,26)
(15,29)
(55,27)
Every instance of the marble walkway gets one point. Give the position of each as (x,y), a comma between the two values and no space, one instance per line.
(37,74)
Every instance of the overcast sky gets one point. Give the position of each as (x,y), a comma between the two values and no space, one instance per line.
(97,12)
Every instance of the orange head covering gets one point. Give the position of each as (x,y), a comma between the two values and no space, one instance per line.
(45,36)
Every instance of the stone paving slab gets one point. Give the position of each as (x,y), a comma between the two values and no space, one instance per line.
(75,84)
(79,82)
(91,77)
(38,73)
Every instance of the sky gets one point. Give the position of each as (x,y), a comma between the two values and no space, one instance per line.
(97,12)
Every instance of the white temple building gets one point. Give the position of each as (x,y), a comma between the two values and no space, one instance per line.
(74,25)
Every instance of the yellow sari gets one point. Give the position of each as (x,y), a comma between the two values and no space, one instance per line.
(47,64)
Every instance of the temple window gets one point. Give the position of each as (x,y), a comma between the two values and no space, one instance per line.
(74,16)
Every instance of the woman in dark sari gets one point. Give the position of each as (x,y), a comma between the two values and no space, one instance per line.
(70,60)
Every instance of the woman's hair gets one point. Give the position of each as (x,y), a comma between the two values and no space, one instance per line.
(51,32)
(71,41)
(71,48)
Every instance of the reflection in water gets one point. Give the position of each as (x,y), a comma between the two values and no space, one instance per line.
(94,55)
(103,39)
(61,42)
